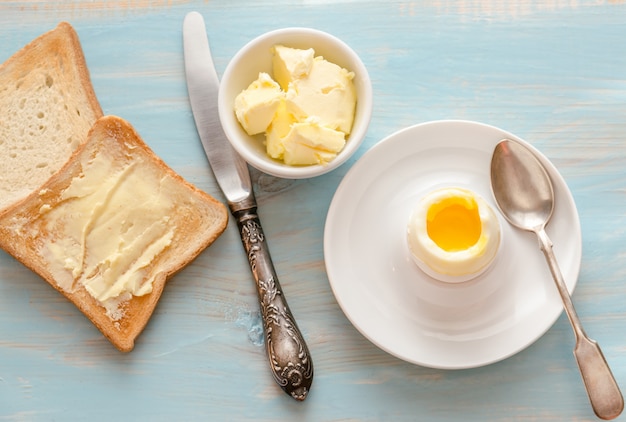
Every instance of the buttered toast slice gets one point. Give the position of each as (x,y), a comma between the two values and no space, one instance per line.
(110,227)
(48,106)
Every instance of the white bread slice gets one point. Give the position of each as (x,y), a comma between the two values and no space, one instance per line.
(48,106)
(101,207)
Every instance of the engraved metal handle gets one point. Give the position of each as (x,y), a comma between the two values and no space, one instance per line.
(287,351)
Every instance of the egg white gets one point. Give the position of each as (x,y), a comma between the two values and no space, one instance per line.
(455,266)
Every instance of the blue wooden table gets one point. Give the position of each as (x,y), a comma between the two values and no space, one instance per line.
(552,72)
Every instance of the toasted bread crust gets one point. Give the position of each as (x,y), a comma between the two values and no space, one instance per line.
(81,68)
(199,219)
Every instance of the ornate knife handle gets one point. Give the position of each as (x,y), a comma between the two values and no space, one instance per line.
(286,349)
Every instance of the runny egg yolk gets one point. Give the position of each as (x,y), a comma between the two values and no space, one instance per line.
(453,235)
(454,223)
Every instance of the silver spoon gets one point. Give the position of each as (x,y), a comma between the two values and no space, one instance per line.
(524,194)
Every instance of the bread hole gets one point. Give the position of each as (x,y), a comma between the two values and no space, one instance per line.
(41,165)
(13,155)
(19,84)
(78,112)
(40,115)
(49,81)
(22,103)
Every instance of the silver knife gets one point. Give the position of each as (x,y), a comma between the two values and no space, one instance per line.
(287,351)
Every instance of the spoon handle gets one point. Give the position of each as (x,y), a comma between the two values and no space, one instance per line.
(604,393)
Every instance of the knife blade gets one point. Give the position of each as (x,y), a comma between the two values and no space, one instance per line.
(287,351)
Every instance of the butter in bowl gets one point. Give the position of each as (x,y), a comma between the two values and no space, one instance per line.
(295,102)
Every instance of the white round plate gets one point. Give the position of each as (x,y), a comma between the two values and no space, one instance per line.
(398,307)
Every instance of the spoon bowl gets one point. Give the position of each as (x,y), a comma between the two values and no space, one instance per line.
(523,187)
(525,196)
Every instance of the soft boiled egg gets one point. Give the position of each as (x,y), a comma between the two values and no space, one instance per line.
(453,234)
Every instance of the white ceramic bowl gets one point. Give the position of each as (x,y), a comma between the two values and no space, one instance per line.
(256,57)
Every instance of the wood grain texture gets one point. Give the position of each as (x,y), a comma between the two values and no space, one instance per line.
(553,72)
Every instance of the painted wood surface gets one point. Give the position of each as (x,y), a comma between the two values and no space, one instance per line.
(553,72)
